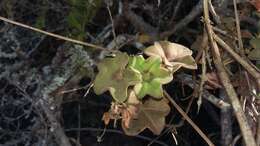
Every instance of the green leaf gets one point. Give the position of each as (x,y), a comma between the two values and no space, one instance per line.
(74,20)
(255,53)
(153,76)
(115,77)
(40,21)
(151,114)
(255,42)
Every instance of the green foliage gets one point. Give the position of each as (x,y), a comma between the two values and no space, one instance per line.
(130,79)
(81,13)
(7,7)
(153,76)
(115,77)
(255,53)
(40,21)
(41,18)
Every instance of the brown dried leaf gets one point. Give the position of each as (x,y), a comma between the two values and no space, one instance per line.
(106,118)
(173,55)
(151,114)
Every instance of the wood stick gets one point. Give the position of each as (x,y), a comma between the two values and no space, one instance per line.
(239,113)
(239,59)
(52,34)
(186,117)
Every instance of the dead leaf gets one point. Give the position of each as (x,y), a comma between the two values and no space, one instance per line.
(123,111)
(106,118)
(151,114)
(173,55)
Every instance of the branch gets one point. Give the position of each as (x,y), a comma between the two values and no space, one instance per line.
(242,121)
(52,34)
(185,21)
(186,117)
(240,42)
(239,59)
(187,79)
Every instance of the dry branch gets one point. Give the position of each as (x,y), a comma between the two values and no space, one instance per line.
(186,117)
(244,126)
(239,59)
(52,34)
(185,21)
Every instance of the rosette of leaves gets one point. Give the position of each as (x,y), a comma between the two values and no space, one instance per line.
(116,77)
(173,55)
(153,76)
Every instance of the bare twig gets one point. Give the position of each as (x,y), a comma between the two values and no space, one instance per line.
(187,79)
(244,126)
(112,23)
(52,34)
(213,13)
(240,42)
(207,140)
(185,21)
(203,79)
(139,23)
(235,140)
(175,12)
(239,59)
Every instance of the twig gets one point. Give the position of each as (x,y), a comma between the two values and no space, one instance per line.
(203,45)
(139,23)
(112,23)
(240,42)
(203,79)
(194,126)
(185,21)
(52,34)
(213,13)
(175,12)
(115,131)
(242,121)
(234,142)
(239,59)
(187,79)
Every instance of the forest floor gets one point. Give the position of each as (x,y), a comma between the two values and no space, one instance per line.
(50,56)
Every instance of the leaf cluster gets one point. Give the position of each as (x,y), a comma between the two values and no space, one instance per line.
(136,85)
